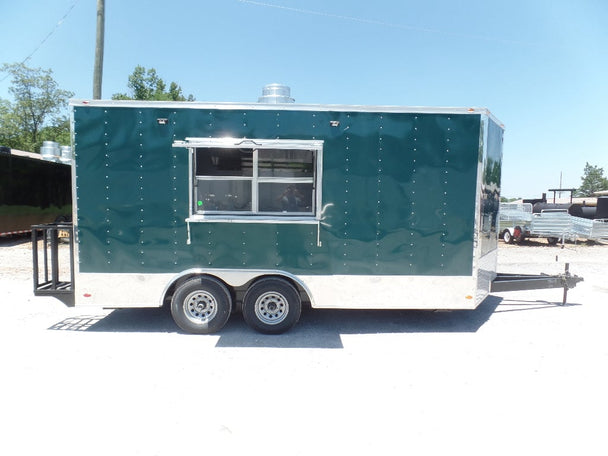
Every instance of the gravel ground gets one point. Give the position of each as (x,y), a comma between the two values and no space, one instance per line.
(519,375)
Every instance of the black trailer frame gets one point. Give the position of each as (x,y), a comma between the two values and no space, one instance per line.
(519,282)
(47,279)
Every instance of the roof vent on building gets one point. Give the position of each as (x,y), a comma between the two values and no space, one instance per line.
(276,93)
(50,151)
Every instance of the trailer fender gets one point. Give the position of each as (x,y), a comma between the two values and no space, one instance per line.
(518,234)
(234,279)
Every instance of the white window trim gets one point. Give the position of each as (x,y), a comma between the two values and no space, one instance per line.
(252,217)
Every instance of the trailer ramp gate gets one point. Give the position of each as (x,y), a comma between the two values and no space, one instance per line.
(518,282)
(52,277)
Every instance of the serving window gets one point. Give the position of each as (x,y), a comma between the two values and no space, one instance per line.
(255,178)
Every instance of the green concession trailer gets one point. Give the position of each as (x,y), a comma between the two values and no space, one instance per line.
(213,208)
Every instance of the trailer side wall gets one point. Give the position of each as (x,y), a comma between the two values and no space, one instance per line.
(32,191)
(398,192)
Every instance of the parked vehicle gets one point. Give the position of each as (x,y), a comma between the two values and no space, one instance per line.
(556,223)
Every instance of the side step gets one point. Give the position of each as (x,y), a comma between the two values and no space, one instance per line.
(515,282)
(48,279)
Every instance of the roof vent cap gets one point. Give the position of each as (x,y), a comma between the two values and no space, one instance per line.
(276,93)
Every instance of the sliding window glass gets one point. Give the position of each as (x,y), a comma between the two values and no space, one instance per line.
(273,178)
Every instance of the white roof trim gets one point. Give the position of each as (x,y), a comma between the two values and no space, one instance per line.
(283,107)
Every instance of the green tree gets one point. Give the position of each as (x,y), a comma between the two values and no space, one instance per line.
(593,180)
(38,109)
(147,85)
(9,131)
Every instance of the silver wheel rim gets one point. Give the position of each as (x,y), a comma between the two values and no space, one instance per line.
(271,308)
(200,307)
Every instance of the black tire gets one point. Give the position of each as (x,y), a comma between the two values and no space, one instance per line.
(506,236)
(552,240)
(272,306)
(201,305)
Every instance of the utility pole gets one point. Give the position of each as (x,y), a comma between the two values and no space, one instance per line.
(98,70)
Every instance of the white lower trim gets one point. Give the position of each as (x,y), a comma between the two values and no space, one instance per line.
(326,292)
(486,273)
(392,292)
(120,290)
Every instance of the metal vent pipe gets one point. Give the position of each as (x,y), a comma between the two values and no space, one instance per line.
(276,93)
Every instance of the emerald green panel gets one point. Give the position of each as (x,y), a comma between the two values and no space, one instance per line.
(490,201)
(255,246)
(399,193)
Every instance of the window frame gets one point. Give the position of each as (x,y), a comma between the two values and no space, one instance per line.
(257,144)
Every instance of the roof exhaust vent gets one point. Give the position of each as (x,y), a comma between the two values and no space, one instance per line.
(50,151)
(276,93)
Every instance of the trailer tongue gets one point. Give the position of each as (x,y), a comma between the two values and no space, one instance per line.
(518,282)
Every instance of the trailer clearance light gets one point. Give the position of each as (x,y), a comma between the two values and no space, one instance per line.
(87,295)
(468,297)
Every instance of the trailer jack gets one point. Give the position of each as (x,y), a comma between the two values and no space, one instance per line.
(518,282)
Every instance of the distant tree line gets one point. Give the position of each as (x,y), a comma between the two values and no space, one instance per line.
(592,181)
(38,109)
(147,85)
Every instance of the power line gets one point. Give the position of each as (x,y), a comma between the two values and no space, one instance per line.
(51,33)
(380,23)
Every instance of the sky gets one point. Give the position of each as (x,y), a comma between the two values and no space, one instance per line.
(540,66)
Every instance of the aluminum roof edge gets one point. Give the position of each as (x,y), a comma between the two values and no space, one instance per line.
(23,153)
(283,107)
